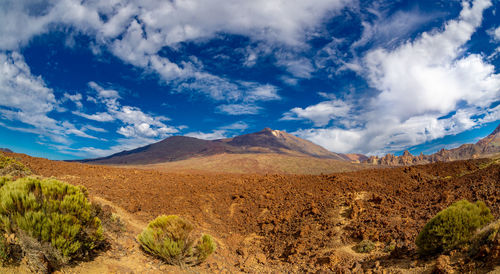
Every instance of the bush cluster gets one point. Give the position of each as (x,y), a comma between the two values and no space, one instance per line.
(452,227)
(365,246)
(11,167)
(169,237)
(53,221)
(4,250)
(484,243)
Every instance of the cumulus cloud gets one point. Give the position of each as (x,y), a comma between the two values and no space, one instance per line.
(136,31)
(75,98)
(430,75)
(256,92)
(428,88)
(25,97)
(320,114)
(22,20)
(136,123)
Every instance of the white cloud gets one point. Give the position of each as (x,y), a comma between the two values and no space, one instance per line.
(22,20)
(99,117)
(96,129)
(496,34)
(430,75)
(136,123)
(320,114)
(22,90)
(240,125)
(257,92)
(419,82)
(217,88)
(239,109)
(299,67)
(270,20)
(214,135)
(391,29)
(220,133)
(26,98)
(136,31)
(289,80)
(75,98)
(104,93)
(333,139)
(93,152)
(491,115)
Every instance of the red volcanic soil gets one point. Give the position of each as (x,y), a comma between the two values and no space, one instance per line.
(294,223)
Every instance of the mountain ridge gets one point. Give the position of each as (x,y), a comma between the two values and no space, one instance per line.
(489,145)
(269,141)
(177,148)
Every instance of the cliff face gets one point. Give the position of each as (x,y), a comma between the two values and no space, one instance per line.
(485,147)
(408,159)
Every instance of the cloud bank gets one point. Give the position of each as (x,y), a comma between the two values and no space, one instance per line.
(427,88)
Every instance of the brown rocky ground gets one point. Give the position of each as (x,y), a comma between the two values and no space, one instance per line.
(257,163)
(285,223)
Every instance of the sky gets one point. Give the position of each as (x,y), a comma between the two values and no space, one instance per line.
(84,79)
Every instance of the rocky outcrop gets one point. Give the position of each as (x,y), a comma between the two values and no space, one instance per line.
(485,147)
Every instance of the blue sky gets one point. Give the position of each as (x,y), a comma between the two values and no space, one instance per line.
(81,79)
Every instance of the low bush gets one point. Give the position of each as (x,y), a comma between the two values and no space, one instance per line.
(452,227)
(169,237)
(485,245)
(11,167)
(4,250)
(365,246)
(53,221)
(390,246)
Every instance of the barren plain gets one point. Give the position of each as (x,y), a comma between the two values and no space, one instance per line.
(284,223)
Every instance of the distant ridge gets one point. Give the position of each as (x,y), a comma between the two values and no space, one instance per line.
(177,148)
(5,150)
(488,146)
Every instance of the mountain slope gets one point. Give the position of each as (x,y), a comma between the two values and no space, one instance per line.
(177,148)
(279,141)
(171,149)
(488,146)
(261,163)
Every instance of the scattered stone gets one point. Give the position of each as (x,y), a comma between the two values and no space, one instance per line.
(261,258)
(443,265)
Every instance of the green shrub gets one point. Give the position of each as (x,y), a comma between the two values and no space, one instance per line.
(169,237)
(49,217)
(365,246)
(486,241)
(390,246)
(4,250)
(452,227)
(9,166)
